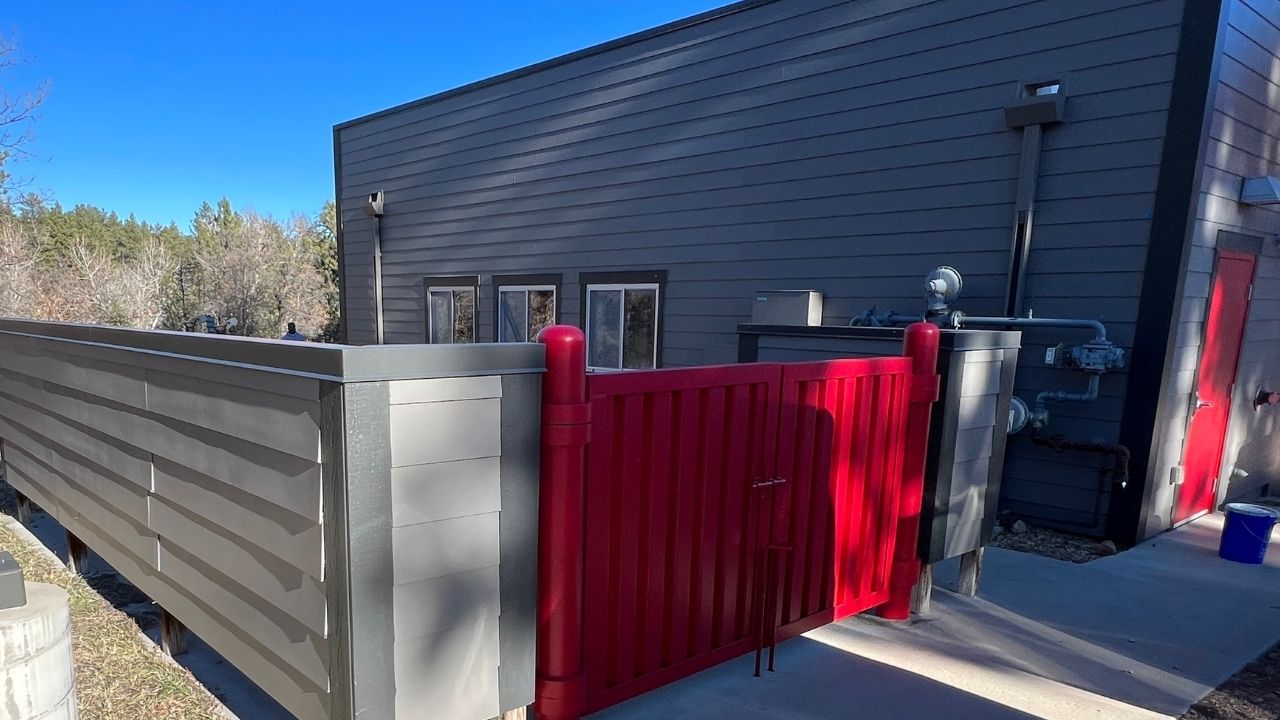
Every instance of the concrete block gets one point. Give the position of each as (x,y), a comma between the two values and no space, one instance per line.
(36,670)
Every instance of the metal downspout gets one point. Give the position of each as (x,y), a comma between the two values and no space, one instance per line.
(1024,217)
(377,275)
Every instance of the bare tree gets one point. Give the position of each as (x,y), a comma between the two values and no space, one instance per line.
(18,276)
(17,111)
(263,275)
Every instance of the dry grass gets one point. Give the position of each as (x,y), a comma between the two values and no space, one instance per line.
(120,674)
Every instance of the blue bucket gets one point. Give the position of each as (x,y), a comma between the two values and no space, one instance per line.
(1246,532)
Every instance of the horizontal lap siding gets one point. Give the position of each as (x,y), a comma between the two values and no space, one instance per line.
(206,494)
(446,456)
(1244,141)
(848,147)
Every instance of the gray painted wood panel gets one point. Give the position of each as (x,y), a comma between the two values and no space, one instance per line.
(203,486)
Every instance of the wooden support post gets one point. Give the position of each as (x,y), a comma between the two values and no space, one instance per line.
(173,634)
(970,571)
(923,598)
(24,509)
(77,555)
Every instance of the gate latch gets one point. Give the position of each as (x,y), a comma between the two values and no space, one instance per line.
(767,482)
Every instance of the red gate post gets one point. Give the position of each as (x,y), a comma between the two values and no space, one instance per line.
(920,343)
(566,424)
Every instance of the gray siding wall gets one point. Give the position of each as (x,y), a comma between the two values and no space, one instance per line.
(446,497)
(1244,141)
(848,147)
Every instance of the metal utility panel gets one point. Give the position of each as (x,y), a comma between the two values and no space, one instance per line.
(966,445)
(786,307)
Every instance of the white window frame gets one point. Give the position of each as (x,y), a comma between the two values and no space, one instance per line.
(622,316)
(475,292)
(526,289)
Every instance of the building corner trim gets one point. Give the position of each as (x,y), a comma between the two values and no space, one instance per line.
(1164,271)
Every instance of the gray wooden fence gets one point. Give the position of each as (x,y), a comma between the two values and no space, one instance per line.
(353,528)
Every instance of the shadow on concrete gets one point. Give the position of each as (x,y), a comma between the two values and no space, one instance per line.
(814,680)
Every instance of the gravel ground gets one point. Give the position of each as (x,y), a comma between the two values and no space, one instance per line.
(119,673)
(1252,694)
(1052,543)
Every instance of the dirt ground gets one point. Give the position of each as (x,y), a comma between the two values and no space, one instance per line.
(1252,694)
(119,673)
(1052,543)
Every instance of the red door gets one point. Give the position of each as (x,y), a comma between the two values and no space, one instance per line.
(1211,405)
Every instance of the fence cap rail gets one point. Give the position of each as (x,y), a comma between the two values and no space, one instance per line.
(950,339)
(323,361)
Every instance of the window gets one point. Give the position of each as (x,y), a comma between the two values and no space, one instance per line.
(524,305)
(1043,88)
(451,309)
(623,319)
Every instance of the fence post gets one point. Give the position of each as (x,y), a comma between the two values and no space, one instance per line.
(566,424)
(920,343)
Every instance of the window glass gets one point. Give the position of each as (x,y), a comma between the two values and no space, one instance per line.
(464,315)
(542,311)
(604,334)
(441,312)
(511,316)
(640,324)
(452,314)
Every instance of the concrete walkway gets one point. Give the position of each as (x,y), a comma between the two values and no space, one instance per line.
(1140,635)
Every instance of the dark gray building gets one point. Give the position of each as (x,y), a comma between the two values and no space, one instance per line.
(1075,159)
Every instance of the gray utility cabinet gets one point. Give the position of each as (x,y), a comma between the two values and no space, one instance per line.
(968,429)
(353,528)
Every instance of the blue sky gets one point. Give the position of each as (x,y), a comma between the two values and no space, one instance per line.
(157,106)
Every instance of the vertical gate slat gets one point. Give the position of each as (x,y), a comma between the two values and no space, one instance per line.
(737,479)
(706,560)
(654,587)
(860,533)
(599,504)
(821,520)
(875,494)
(894,461)
(843,518)
(630,534)
(758,399)
(686,524)
(801,484)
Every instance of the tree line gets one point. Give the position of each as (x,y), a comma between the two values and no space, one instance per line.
(88,265)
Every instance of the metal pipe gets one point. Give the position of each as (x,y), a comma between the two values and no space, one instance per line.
(1117,474)
(1024,217)
(1063,396)
(377,276)
(959,320)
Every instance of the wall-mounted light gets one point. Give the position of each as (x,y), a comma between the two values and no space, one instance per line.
(1261,190)
(373,208)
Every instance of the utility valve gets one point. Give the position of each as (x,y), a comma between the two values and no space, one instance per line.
(1098,356)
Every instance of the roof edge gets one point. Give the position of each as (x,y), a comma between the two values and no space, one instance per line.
(603,47)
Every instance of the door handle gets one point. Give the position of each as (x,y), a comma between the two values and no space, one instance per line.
(1202,404)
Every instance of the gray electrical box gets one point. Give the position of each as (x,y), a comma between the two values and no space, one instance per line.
(786,307)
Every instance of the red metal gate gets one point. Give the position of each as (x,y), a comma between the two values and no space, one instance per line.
(715,508)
